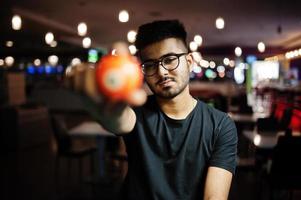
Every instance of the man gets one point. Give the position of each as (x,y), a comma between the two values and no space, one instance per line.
(178,147)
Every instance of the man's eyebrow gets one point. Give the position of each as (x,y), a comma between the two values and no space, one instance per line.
(149,60)
(165,55)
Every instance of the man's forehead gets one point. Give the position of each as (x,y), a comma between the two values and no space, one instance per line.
(158,49)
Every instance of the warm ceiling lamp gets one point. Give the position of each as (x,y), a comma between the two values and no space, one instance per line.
(82,29)
(193,46)
(86,42)
(37,62)
(16,22)
(220,23)
(9,61)
(238,51)
(226,61)
(53,60)
(261,47)
(9,43)
(132,49)
(49,38)
(198,39)
(123,16)
(75,61)
(53,43)
(131,36)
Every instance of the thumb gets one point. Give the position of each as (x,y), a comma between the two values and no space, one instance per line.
(137,98)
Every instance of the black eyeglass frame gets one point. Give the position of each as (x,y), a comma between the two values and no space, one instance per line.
(159,61)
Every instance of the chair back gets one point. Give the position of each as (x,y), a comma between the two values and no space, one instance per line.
(284,122)
(60,133)
(286,168)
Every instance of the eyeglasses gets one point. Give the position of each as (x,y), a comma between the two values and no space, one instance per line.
(168,61)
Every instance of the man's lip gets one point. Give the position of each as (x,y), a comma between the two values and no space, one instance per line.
(164,82)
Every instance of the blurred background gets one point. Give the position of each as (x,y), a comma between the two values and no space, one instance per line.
(247,63)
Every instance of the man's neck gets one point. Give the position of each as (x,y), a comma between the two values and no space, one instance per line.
(178,107)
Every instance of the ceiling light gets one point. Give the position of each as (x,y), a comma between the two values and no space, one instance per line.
(133,49)
(197,57)
(9,61)
(1,62)
(37,62)
(198,39)
(239,75)
(212,64)
(257,139)
(232,63)
(9,43)
(131,36)
(219,23)
(82,29)
(193,46)
(16,22)
(49,37)
(220,69)
(238,51)
(197,69)
(226,61)
(261,47)
(296,53)
(53,43)
(75,61)
(86,42)
(123,16)
(53,60)
(204,63)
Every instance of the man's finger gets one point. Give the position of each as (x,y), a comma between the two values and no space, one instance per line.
(90,85)
(79,77)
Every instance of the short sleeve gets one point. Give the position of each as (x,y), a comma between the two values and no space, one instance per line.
(225,146)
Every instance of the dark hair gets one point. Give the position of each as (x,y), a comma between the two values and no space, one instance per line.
(159,30)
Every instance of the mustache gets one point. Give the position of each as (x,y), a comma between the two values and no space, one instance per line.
(165,79)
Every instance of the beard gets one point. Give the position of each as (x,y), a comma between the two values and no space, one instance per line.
(168,92)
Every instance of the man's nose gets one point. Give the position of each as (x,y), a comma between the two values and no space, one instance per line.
(161,69)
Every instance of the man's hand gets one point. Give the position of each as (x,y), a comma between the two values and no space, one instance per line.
(117,117)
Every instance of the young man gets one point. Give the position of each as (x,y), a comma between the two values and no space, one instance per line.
(178,147)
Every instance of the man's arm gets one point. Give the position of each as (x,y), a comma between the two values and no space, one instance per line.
(217,185)
(116,117)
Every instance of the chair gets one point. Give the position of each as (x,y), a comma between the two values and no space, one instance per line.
(117,158)
(285,173)
(66,150)
(274,125)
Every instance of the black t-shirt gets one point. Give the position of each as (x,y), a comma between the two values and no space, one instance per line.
(168,159)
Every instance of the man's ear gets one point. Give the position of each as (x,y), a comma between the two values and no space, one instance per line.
(190,61)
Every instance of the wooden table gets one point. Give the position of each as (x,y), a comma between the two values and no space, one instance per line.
(90,128)
(264,141)
(247,118)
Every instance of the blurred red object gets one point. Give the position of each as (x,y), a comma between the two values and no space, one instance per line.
(118,76)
